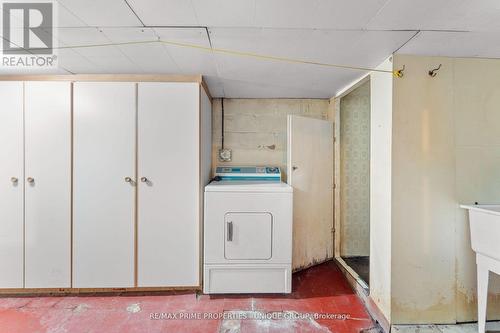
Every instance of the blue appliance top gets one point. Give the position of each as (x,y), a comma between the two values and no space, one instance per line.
(248,173)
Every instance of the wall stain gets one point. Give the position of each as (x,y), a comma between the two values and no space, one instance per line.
(442,312)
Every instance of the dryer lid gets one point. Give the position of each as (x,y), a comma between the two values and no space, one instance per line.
(247,186)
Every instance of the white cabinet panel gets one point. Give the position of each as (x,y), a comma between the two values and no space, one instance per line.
(248,236)
(48,184)
(103,212)
(11,191)
(168,202)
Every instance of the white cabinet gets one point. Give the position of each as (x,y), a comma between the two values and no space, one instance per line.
(168,168)
(101,183)
(35,184)
(104,184)
(11,185)
(47,113)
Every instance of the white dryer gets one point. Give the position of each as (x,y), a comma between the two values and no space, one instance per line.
(248,232)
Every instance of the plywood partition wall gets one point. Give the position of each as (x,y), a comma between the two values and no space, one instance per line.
(445,151)
(310,173)
(380,188)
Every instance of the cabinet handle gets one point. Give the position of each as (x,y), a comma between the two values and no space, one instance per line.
(14,180)
(229,231)
(30,180)
(144,179)
(128,179)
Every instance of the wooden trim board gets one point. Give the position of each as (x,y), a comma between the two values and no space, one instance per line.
(105,77)
(112,78)
(363,293)
(200,189)
(207,91)
(80,291)
(336,156)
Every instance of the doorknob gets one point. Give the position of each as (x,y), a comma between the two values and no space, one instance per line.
(14,180)
(30,180)
(144,179)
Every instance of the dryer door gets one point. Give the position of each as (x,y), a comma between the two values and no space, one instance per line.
(248,236)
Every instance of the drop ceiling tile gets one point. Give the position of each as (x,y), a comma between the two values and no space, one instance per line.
(316,14)
(114,65)
(165,12)
(94,45)
(87,41)
(352,48)
(103,13)
(340,47)
(74,62)
(190,60)
(466,15)
(245,89)
(151,58)
(225,13)
(298,77)
(66,18)
(144,49)
(247,68)
(123,35)
(454,44)
(32,71)
(215,86)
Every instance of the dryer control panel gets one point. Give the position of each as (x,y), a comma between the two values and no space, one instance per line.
(259,173)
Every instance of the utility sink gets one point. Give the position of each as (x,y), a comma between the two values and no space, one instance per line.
(485,238)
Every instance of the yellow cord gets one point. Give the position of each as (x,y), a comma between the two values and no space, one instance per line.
(232,52)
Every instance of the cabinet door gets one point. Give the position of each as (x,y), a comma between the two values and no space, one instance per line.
(11,184)
(248,236)
(104,198)
(168,216)
(48,184)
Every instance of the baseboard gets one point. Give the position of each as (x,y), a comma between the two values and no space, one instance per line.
(6,292)
(362,290)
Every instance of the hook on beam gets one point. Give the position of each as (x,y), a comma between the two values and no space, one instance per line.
(399,72)
(433,72)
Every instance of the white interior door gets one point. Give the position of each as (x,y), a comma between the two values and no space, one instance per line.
(168,196)
(11,185)
(48,184)
(104,198)
(310,172)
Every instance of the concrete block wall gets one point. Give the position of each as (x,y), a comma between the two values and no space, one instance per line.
(256,129)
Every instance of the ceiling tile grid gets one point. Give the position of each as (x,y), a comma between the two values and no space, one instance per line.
(109,36)
(101,13)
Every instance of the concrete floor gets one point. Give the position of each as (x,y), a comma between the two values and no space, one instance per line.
(491,327)
(360,265)
(321,289)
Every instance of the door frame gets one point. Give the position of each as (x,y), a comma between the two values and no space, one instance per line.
(338,184)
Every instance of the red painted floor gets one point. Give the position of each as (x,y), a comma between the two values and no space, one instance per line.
(321,290)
